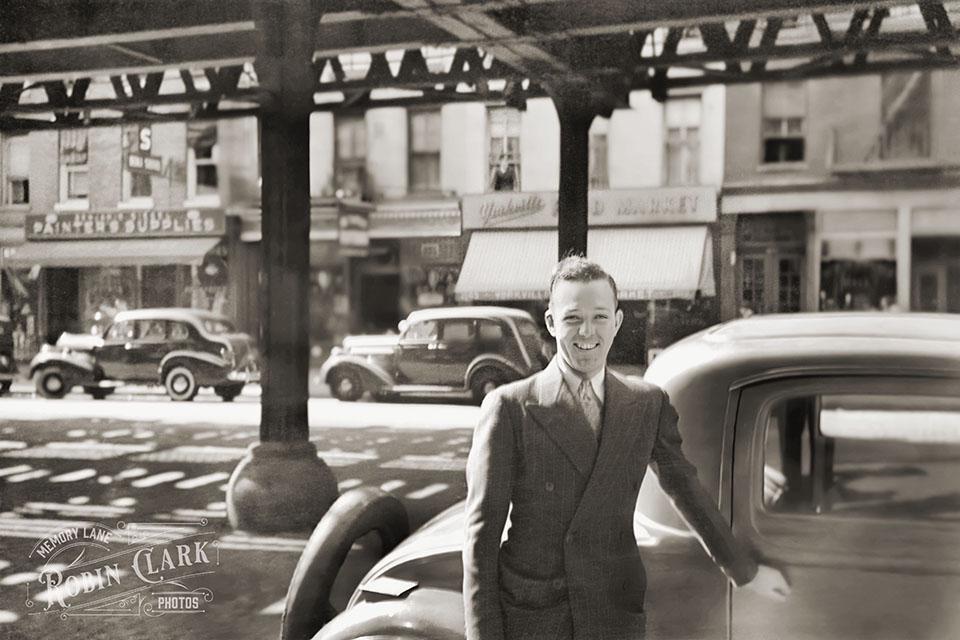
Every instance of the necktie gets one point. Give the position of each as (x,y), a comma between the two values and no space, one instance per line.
(591,405)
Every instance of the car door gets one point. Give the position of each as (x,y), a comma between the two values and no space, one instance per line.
(455,350)
(112,355)
(850,484)
(148,349)
(417,353)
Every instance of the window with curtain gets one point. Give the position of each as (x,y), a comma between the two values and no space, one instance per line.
(504,165)
(203,154)
(74,165)
(425,133)
(16,164)
(682,141)
(905,109)
(351,155)
(784,122)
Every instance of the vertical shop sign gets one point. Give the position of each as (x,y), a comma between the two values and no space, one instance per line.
(354,233)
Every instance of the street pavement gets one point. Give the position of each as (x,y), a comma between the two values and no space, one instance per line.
(146,462)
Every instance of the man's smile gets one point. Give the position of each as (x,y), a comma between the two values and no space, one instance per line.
(586,346)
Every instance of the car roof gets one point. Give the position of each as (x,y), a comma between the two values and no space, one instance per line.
(789,344)
(479,311)
(170,313)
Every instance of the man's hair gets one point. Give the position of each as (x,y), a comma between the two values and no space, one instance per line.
(576,268)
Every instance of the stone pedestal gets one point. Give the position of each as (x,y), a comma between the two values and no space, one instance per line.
(280,486)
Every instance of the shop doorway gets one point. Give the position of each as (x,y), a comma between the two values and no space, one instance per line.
(62,297)
(770,282)
(379,302)
(771,251)
(935,275)
(159,286)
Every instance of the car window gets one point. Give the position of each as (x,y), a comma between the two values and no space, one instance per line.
(151,330)
(458,331)
(179,331)
(863,456)
(490,331)
(424,330)
(217,327)
(121,331)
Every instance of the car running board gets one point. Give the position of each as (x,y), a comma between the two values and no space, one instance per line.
(427,390)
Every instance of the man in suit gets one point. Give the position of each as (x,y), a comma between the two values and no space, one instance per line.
(564,452)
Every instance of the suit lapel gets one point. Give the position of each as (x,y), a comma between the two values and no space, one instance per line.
(623,422)
(557,413)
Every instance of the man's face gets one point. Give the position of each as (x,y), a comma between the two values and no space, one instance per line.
(584,318)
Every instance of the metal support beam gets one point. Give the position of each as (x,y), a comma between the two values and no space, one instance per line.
(281,484)
(576,114)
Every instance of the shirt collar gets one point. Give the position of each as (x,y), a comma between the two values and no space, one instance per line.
(573,379)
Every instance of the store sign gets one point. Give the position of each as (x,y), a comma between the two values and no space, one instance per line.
(139,158)
(354,233)
(669,205)
(141,223)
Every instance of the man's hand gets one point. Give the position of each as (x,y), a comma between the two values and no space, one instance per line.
(769,583)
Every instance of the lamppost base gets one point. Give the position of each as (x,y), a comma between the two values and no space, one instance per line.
(280,486)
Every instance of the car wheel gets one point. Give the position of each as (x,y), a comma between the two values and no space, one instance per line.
(485,381)
(181,384)
(346,385)
(228,391)
(355,514)
(5,386)
(97,393)
(51,383)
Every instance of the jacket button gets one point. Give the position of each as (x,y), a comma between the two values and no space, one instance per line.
(549,486)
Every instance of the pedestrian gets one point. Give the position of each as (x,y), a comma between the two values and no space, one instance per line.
(564,452)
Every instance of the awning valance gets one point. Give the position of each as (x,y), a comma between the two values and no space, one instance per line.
(647,263)
(108,253)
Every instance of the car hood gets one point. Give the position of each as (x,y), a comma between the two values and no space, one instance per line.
(79,341)
(383,343)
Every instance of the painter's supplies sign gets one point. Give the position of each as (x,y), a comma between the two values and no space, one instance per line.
(133,569)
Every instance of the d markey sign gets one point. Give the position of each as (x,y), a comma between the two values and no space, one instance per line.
(146,223)
(669,205)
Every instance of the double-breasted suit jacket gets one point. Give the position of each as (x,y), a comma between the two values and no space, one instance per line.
(569,565)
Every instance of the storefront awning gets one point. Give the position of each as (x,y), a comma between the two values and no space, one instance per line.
(107,253)
(647,262)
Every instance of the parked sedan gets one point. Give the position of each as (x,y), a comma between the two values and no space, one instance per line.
(452,352)
(831,443)
(181,349)
(8,366)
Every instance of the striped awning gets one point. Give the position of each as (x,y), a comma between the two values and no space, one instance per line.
(648,263)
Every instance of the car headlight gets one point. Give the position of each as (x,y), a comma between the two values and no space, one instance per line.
(4,361)
(227,354)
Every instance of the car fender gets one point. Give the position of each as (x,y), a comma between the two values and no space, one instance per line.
(371,372)
(210,366)
(436,614)
(492,361)
(79,364)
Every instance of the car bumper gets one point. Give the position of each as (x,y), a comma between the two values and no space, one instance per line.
(244,376)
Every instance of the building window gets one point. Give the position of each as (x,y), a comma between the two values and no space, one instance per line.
(682,141)
(425,135)
(137,185)
(16,165)
(905,109)
(504,165)
(74,167)
(203,153)
(351,156)
(599,174)
(784,117)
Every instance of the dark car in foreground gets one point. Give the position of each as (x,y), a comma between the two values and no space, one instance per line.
(180,349)
(831,443)
(451,352)
(8,366)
